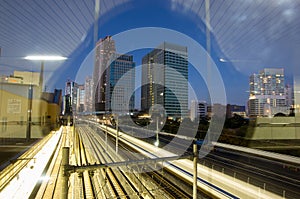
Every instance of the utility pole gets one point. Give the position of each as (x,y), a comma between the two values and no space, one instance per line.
(157,130)
(29,113)
(195,171)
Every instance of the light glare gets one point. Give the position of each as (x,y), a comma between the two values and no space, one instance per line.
(45,57)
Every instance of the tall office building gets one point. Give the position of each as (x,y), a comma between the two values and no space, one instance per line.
(88,97)
(104,49)
(267,93)
(116,96)
(70,99)
(165,79)
(80,98)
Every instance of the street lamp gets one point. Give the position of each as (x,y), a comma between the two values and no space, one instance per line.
(156,143)
(41,58)
(29,113)
(157,114)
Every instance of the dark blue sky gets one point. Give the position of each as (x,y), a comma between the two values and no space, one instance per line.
(235,71)
(151,14)
(248,36)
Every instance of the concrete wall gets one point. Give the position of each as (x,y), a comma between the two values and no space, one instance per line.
(276,128)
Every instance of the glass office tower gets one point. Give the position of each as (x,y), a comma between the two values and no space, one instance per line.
(165,79)
(121,66)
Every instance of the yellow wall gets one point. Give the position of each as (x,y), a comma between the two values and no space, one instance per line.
(28,77)
(54,112)
(15,108)
(10,111)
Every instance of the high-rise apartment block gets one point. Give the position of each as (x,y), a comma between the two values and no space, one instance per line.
(105,48)
(267,93)
(165,79)
(122,71)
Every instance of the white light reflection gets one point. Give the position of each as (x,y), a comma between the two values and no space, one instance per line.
(45,57)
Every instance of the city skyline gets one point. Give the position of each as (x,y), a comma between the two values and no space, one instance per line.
(239,95)
(150,99)
(140,73)
(239,62)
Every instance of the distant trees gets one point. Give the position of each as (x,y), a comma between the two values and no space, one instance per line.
(234,130)
(280,115)
(235,122)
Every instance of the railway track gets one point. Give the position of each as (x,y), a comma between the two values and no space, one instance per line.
(168,186)
(86,178)
(111,177)
(117,183)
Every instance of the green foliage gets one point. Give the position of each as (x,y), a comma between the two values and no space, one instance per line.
(235,122)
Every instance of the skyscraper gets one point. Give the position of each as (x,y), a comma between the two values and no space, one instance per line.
(116,96)
(165,79)
(80,98)
(88,97)
(267,93)
(104,49)
(70,102)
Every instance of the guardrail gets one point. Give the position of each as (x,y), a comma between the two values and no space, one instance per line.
(276,156)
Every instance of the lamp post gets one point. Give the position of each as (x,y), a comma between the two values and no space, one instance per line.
(157,131)
(29,113)
(157,114)
(41,58)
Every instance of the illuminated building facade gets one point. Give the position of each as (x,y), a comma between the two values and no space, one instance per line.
(267,93)
(116,96)
(165,79)
(105,48)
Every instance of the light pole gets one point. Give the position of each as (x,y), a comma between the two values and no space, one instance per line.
(41,58)
(157,130)
(29,113)
(157,113)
